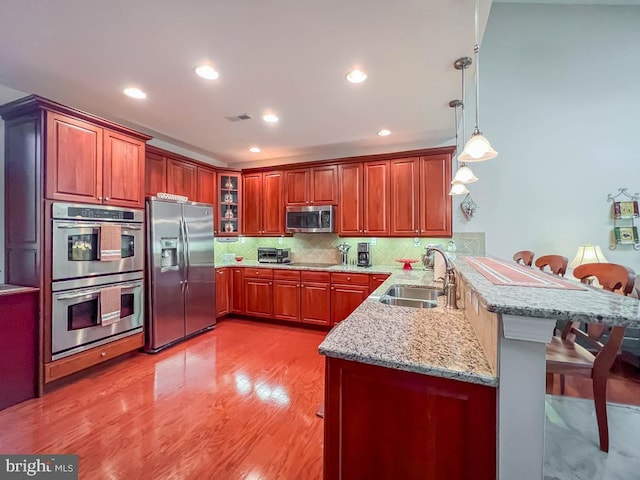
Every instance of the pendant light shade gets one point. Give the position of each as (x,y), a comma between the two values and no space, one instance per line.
(477,149)
(464,175)
(458,189)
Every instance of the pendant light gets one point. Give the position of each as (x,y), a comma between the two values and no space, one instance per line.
(457,187)
(464,173)
(478,148)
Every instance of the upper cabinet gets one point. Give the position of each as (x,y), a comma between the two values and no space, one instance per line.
(364,199)
(229,195)
(312,186)
(88,163)
(435,201)
(182,178)
(263,206)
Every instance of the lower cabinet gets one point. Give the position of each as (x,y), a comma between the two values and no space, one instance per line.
(348,291)
(236,295)
(386,423)
(376,280)
(286,300)
(222,292)
(258,292)
(316,298)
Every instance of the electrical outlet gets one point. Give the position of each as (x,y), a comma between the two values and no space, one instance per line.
(416,241)
(243,240)
(280,240)
(373,241)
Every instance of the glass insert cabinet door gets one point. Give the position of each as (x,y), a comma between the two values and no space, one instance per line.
(228,215)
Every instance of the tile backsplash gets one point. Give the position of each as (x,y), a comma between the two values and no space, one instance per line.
(321,247)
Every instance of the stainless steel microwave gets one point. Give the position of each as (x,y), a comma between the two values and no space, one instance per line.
(311,219)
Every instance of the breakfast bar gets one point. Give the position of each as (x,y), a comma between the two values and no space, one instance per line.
(495,342)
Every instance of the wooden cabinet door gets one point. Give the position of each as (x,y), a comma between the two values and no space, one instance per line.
(324,185)
(350,199)
(435,181)
(375,213)
(123,167)
(237,290)
(252,204)
(74,160)
(155,174)
(316,303)
(286,300)
(405,197)
(228,204)
(258,297)
(222,291)
(182,178)
(272,205)
(375,280)
(206,186)
(296,187)
(345,299)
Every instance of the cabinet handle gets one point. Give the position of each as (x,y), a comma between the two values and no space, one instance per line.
(416,231)
(348,279)
(103,354)
(270,283)
(299,285)
(106,198)
(332,288)
(99,198)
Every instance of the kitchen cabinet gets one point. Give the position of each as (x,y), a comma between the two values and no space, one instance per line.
(90,164)
(348,291)
(263,211)
(182,178)
(316,298)
(405,197)
(237,290)
(258,292)
(222,292)
(228,203)
(206,186)
(155,178)
(375,280)
(312,186)
(435,201)
(364,190)
(387,423)
(286,300)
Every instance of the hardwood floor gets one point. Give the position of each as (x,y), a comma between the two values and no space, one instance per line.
(238,402)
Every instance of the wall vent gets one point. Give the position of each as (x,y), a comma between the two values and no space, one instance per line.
(238,118)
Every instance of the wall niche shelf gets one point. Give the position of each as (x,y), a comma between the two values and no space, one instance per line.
(625,215)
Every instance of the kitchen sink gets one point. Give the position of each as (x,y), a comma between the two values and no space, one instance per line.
(406,296)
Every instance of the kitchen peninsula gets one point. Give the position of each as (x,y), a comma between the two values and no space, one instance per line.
(478,373)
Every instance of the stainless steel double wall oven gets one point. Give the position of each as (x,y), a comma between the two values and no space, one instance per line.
(82,276)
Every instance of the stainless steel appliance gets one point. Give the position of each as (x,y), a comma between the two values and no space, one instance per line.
(77,321)
(364,254)
(274,255)
(180,271)
(311,219)
(76,240)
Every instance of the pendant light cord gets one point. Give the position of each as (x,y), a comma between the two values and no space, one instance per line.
(463,135)
(476,51)
(456,119)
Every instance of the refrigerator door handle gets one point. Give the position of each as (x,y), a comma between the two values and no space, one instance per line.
(183,265)
(187,255)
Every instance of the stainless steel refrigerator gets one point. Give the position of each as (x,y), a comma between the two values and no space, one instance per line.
(180,272)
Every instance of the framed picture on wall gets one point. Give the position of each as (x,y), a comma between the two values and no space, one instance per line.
(626,235)
(625,209)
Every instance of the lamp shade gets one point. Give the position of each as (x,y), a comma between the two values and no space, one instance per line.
(588,254)
(477,149)
(458,189)
(464,175)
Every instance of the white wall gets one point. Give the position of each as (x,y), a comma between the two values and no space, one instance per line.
(559,100)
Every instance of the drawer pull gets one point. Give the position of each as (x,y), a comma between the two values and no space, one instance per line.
(103,354)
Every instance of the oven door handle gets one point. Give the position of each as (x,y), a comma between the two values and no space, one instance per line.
(127,226)
(67,296)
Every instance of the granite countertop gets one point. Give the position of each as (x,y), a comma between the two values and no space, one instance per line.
(589,305)
(433,341)
(334,268)
(14,289)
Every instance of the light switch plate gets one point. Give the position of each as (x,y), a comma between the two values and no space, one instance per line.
(416,241)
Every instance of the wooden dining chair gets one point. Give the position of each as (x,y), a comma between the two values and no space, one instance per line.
(524,256)
(556,263)
(567,357)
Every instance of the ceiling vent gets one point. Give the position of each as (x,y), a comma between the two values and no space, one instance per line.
(238,118)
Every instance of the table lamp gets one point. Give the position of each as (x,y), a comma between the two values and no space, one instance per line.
(588,254)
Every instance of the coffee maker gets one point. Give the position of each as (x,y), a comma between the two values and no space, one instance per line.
(364,254)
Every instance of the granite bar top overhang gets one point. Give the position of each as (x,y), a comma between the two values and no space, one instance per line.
(589,305)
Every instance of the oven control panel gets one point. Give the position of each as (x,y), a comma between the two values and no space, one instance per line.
(70,211)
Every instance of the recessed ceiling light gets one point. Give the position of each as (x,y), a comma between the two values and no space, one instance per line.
(270,118)
(134,92)
(255,150)
(207,71)
(356,76)
(384,132)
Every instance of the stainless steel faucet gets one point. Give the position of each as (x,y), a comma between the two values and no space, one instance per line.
(449,288)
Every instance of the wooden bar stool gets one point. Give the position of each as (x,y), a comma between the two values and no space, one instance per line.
(524,256)
(556,263)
